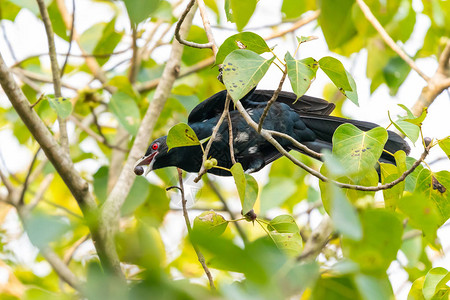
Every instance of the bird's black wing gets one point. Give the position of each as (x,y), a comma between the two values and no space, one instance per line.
(213,106)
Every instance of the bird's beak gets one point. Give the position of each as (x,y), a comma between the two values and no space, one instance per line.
(146,161)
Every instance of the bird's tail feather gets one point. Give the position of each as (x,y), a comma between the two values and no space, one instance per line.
(325,126)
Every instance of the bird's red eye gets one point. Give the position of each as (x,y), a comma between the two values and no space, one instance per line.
(155,146)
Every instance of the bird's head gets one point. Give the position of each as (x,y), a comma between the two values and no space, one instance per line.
(154,158)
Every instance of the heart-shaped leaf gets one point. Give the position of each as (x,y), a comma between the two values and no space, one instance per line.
(181,135)
(244,40)
(300,73)
(242,70)
(61,105)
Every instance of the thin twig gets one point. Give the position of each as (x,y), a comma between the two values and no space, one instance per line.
(25,184)
(297,144)
(5,37)
(227,208)
(38,77)
(200,256)
(213,137)
(207,26)
(64,140)
(388,40)
(230,136)
(134,66)
(272,99)
(265,134)
(177,30)
(103,138)
(302,22)
(72,29)
(71,251)
(8,184)
(43,186)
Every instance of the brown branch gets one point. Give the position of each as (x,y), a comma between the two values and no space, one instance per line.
(388,40)
(134,64)
(230,136)
(27,178)
(213,137)
(177,30)
(317,240)
(302,22)
(207,26)
(297,144)
(437,84)
(61,161)
(110,214)
(8,184)
(272,100)
(268,136)
(149,85)
(72,28)
(55,71)
(200,256)
(38,77)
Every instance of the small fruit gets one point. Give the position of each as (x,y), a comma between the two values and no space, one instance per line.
(427,141)
(214,161)
(139,170)
(209,164)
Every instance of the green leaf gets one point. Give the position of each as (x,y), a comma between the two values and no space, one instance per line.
(415,293)
(292,9)
(29,4)
(242,71)
(101,183)
(344,215)
(247,187)
(374,288)
(242,12)
(244,40)
(300,73)
(408,129)
(395,73)
(251,193)
(335,288)
(181,135)
(356,149)
(445,145)
(290,243)
(382,237)
(336,22)
(418,121)
(58,24)
(409,113)
(283,224)
(9,10)
(435,279)
(139,10)
(108,41)
(61,105)
(139,192)
(353,94)
(43,229)
(422,214)
(436,187)
(389,173)
(126,111)
(276,192)
(336,72)
(210,221)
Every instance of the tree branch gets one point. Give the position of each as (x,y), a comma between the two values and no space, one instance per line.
(437,84)
(318,239)
(178,27)
(110,212)
(207,26)
(200,256)
(268,136)
(302,22)
(55,71)
(272,100)
(388,40)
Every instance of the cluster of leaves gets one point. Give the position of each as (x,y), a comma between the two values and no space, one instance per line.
(370,236)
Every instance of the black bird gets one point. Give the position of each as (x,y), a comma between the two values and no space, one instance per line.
(306,120)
